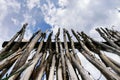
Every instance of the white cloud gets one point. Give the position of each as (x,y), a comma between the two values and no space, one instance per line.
(6,6)
(13,4)
(3,9)
(29,19)
(15,21)
(33,3)
(63,3)
(82,15)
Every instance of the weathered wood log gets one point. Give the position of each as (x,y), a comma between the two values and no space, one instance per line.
(73,51)
(15,46)
(37,70)
(41,72)
(58,69)
(3,72)
(9,60)
(113,33)
(102,56)
(73,47)
(72,73)
(22,59)
(65,32)
(110,64)
(108,48)
(87,53)
(66,45)
(59,72)
(51,74)
(108,61)
(108,35)
(45,49)
(28,72)
(49,65)
(12,40)
(84,74)
(15,75)
(108,40)
(21,36)
(114,62)
(63,61)
(102,68)
(42,68)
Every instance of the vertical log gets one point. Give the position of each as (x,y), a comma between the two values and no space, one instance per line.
(27,73)
(108,35)
(107,47)
(114,62)
(41,71)
(51,74)
(108,40)
(23,58)
(87,53)
(65,44)
(51,52)
(42,68)
(56,40)
(12,40)
(104,58)
(113,33)
(73,51)
(15,75)
(37,70)
(46,47)
(84,74)
(63,61)
(16,46)
(57,56)
(3,72)
(73,47)
(59,73)
(7,61)
(72,73)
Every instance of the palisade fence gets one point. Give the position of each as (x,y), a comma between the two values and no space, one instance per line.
(38,59)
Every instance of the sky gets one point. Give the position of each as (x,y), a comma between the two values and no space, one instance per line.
(80,15)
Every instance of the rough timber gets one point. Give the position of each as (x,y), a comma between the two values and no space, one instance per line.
(38,59)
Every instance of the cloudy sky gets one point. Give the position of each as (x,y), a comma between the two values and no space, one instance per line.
(80,15)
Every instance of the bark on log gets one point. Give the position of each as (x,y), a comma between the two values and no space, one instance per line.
(114,62)
(87,53)
(66,45)
(12,40)
(51,74)
(24,56)
(63,61)
(9,60)
(103,57)
(30,69)
(84,74)
(108,40)
(72,73)
(108,48)
(57,56)
(59,72)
